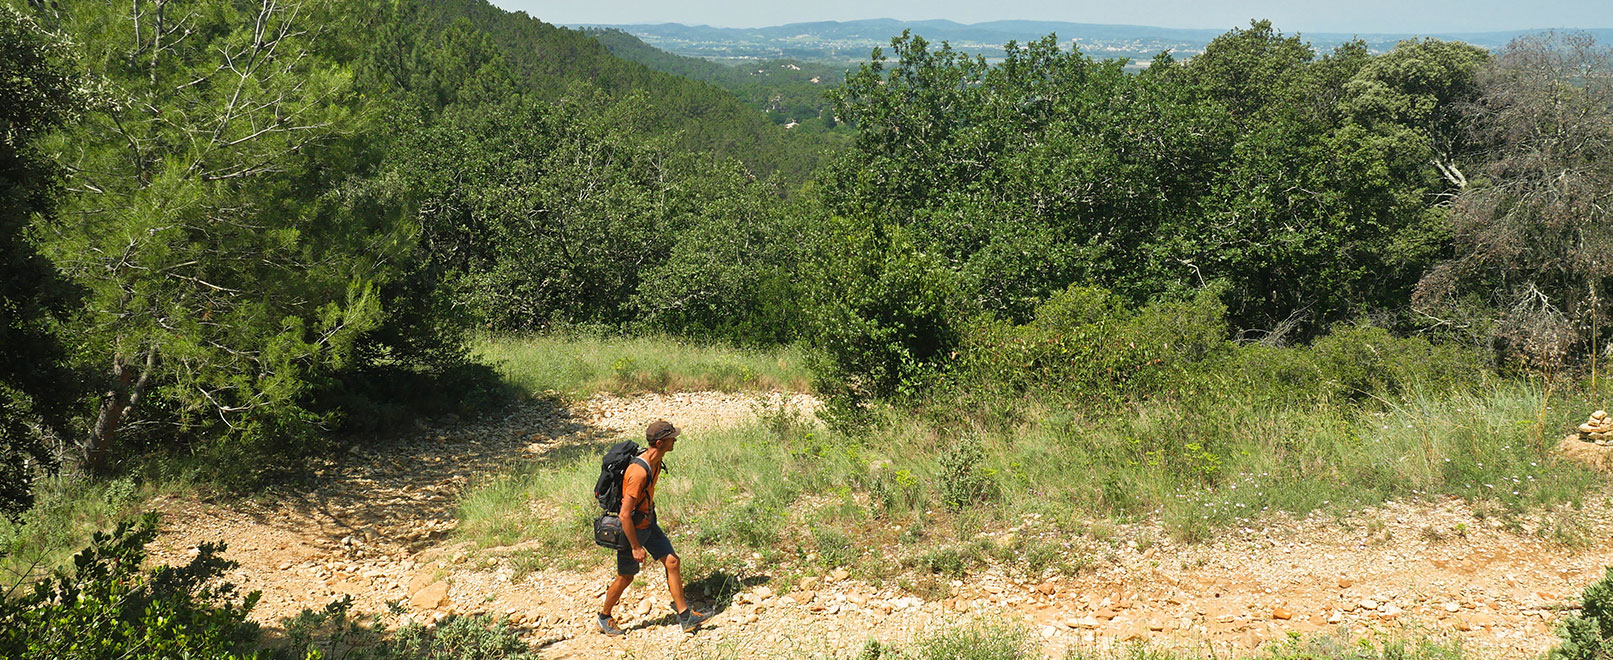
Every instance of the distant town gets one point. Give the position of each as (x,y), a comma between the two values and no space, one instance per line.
(840,43)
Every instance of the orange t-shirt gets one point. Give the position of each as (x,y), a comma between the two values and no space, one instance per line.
(637,484)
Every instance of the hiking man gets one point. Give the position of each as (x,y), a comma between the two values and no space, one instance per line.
(644,535)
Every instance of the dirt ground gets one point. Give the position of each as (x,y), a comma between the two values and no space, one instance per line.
(379,529)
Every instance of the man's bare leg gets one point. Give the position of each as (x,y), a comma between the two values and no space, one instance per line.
(614,593)
(674,582)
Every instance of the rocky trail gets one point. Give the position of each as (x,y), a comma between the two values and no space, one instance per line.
(380,529)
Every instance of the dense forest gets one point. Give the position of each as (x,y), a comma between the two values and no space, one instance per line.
(240,230)
(241,224)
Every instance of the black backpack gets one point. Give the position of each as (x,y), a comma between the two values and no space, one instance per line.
(608,489)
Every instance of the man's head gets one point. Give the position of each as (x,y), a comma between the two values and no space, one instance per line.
(661,434)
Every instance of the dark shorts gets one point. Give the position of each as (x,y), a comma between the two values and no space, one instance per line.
(655,543)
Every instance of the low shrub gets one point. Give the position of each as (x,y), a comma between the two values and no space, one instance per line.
(834,546)
(66,512)
(331,634)
(1589,634)
(108,608)
(1086,343)
(1352,363)
(894,491)
(962,479)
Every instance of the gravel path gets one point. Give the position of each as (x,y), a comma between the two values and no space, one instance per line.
(379,530)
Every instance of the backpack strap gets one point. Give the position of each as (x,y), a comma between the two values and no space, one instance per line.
(649,475)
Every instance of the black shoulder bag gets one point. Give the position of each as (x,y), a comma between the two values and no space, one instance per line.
(608,526)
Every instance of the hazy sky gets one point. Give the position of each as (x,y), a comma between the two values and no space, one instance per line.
(1360,16)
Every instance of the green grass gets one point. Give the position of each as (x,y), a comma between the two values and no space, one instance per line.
(66,512)
(729,488)
(1006,642)
(928,482)
(1338,646)
(580,366)
(1203,466)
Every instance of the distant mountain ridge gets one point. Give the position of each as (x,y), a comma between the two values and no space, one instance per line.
(849,41)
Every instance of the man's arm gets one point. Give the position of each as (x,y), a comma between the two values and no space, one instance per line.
(629,528)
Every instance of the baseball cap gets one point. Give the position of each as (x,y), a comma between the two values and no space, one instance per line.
(660,430)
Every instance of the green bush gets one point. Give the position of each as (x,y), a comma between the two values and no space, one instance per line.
(1350,363)
(962,479)
(1366,361)
(966,643)
(893,491)
(834,546)
(330,634)
(107,608)
(942,560)
(883,313)
(1085,342)
(1589,634)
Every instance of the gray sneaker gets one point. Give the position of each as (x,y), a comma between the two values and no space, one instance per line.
(690,619)
(607,625)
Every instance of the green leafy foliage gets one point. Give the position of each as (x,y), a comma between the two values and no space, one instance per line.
(962,478)
(882,311)
(109,607)
(224,289)
(331,633)
(40,95)
(543,215)
(552,63)
(1305,182)
(1087,343)
(1589,634)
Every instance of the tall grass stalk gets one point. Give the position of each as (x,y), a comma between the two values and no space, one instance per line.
(580,366)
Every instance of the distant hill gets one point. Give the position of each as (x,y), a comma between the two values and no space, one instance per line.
(700,115)
(850,41)
(788,90)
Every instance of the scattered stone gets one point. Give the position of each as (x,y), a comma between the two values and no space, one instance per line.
(1047,588)
(432,597)
(1369,604)
(1281,613)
